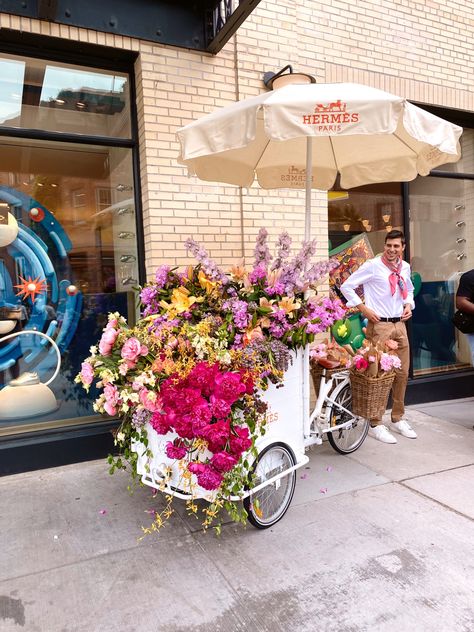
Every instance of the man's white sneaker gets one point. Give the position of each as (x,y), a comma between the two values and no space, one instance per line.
(404,428)
(382,433)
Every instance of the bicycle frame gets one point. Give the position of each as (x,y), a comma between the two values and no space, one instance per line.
(319,422)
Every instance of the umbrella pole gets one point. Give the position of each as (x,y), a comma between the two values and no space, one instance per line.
(309,177)
(307,237)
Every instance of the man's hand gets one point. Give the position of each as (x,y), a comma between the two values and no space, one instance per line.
(406,315)
(368,313)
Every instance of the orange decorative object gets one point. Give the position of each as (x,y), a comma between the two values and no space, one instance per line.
(31,287)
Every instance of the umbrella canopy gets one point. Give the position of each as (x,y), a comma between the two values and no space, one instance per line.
(363,134)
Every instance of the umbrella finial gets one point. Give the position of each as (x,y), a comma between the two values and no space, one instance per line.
(282,78)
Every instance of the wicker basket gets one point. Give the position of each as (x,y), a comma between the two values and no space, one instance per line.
(317,371)
(370,394)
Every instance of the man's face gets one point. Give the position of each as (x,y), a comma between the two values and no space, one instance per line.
(393,249)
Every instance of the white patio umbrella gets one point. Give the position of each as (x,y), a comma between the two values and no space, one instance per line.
(303,135)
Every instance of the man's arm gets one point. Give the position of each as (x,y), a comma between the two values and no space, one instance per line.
(464,304)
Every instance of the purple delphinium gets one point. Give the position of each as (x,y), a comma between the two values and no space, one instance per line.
(320,270)
(283,250)
(209,266)
(292,272)
(262,253)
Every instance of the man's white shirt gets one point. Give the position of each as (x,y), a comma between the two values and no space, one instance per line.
(373,276)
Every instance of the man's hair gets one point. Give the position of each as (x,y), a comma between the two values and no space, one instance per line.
(395,234)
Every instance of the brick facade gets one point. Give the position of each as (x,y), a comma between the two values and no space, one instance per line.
(421,50)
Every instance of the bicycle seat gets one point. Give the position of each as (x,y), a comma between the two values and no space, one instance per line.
(328,364)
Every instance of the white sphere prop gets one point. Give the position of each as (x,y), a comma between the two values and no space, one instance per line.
(8,232)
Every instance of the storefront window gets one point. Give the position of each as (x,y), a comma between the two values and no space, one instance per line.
(68,246)
(441,234)
(359,219)
(43,95)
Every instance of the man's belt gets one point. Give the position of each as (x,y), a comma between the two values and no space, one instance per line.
(395,319)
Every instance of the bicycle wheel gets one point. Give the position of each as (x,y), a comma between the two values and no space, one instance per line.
(268,505)
(346,440)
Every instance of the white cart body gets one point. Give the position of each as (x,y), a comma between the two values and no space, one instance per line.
(287,417)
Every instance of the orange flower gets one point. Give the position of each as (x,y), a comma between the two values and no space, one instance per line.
(289,305)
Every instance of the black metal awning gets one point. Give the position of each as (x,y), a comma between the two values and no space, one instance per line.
(204,25)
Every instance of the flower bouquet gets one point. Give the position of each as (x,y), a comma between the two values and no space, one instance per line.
(372,374)
(187,380)
(330,357)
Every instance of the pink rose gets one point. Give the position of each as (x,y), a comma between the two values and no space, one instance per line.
(111,399)
(87,373)
(150,403)
(133,349)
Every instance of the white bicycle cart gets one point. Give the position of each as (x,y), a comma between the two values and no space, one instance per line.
(292,427)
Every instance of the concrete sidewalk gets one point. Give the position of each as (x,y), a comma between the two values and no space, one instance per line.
(380,540)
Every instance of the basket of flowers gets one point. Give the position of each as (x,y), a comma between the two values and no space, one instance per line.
(327,357)
(372,373)
(187,381)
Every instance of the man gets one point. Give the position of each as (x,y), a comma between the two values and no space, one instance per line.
(388,293)
(464,302)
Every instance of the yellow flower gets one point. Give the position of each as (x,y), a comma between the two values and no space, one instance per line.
(206,283)
(180,301)
(288,304)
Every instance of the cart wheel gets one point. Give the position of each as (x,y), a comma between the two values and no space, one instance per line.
(346,440)
(268,505)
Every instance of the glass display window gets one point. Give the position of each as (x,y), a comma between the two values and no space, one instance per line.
(68,256)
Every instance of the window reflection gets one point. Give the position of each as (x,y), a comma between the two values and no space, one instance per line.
(65,98)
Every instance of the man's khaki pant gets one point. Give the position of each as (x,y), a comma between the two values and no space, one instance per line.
(379,332)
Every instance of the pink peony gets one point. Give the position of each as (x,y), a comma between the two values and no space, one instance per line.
(175,450)
(111,399)
(87,373)
(217,434)
(202,376)
(160,423)
(219,407)
(229,386)
(107,340)
(150,402)
(209,479)
(240,440)
(133,349)
(223,461)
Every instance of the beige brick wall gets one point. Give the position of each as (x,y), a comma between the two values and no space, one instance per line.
(421,50)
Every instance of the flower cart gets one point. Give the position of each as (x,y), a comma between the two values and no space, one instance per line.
(212,383)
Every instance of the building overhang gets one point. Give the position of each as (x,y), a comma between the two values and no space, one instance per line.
(204,25)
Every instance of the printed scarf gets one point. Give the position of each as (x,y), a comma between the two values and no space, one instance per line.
(395,277)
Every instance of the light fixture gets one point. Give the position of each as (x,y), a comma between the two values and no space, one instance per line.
(274,80)
(388,228)
(365,223)
(386,218)
(346,227)
(368,228)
